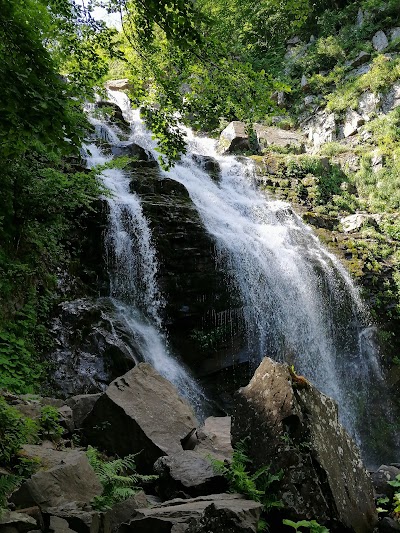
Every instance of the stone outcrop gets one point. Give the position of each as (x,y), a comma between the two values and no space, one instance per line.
(220,512)
(67,477)
(140,156)
(118,85)
(81,406)
(15,522)
(91,347)
(321,128)
(140,412)
(233,138)
(277,137)
(352,122)
(380,41)
(355,222)
(380,480)
(295,428)
(187,472)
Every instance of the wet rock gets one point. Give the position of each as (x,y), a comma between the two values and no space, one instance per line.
(11,521)
(233,138)
(93,346)
(271,136)
(380,480)
(220,512)
(115,114)
(132,150)
(81,406)
(68,478)
(193,281)
(380,41)
(209,164)
(142,412)
(295,429)
(352,122)
(119,85)
(214,438)
(392,99)
(187,472)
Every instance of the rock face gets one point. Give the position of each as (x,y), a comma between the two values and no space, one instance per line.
(392,99)
(270,136)
(187,472)
(295,428)
(321,128)
(352,122)
(192,280)
(12,522)
(355,222)
(233,138)
(81,406)
(91,346)
(140,412)
(68,478)
(221,512)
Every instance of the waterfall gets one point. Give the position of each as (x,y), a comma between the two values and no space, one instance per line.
(132,264)
(299,303)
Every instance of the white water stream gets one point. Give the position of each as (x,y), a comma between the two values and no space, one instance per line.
(299,304)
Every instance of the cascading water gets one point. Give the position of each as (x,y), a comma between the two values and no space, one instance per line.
(132,263)
(300,305)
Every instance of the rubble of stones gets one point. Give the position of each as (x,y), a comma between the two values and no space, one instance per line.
(295,431)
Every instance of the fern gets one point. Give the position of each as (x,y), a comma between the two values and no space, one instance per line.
(8,483)
(257,485)
(119,479)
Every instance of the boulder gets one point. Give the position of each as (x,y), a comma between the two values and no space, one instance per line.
(392,99)
(352,122)
(131,149)
(214,438)
(294,428)
(359,71)
(209,164)
(380,41)
(233,138)
(388,525)
(81,406)
(118,85)
(19,522)
(355,222)
(220,512)
(271,136)
(123,511)
(115,114)
(380,480)
(187,472)
(79,518)
(140,412)
(68,478)
(362,57)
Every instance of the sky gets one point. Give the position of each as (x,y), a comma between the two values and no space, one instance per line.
(111,20)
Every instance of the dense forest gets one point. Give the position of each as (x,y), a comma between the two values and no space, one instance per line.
(201,64)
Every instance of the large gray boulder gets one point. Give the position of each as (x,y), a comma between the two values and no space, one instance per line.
(67,477)
(187,472)
(140,412)
(118,85)
(271,136)
(380,41)
(352,122)
(214,438)
(79,518)
(233,138)
(220,512)
(294,428)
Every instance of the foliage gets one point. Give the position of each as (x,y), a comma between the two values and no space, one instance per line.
(118,477)
(49,422)
(8,483)
(257,485)
(311,525)
(15,430)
